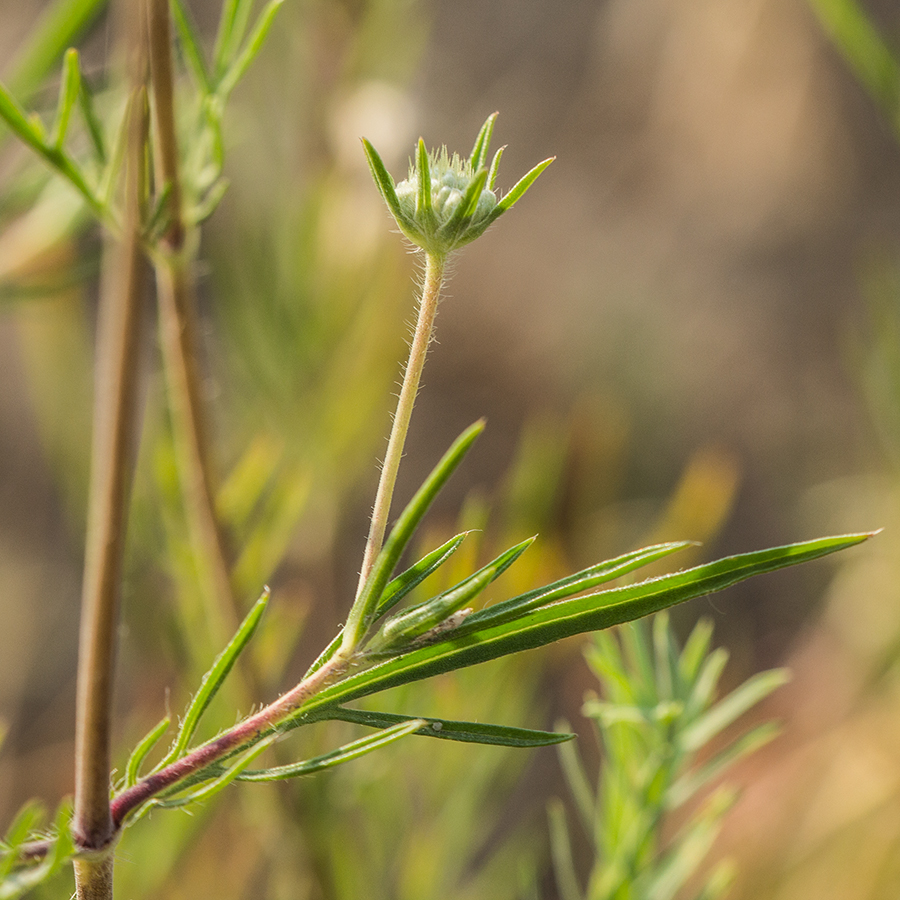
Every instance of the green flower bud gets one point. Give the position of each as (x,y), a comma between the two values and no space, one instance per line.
(446,201)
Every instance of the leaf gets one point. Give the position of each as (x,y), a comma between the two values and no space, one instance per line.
(561,851)
(732,707)
(449,730)
(190,45)
(423,192)
(213,679)
(238,68)
(478,156)
(232,26)
(385,184)
(139,754)
(521,186)
(689,784)
(69,88)
(367,602)
(94,126)
(343,754)
(397,589)
(579,786)
(471,645)
(60,25)
(572,584)
(433,611)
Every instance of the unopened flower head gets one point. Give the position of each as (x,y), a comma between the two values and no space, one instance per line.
(447,201)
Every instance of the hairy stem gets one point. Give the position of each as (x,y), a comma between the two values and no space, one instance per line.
(115,427)
(178,330)
(428,304)
(244,733)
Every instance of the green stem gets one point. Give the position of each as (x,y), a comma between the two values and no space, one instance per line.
(116,414)
(428,304)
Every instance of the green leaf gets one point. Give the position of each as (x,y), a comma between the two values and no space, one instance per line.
(407,581)
(423,193)
(385,184)
(60,25)
(476,644)
(579,786)
(413,622)
(695,650)
(94,126)
(521,186)
(478,157)
(467,206)
(69,88)
(494,169)
(343,754)
(695,780)
(448,730)
(139,754)
(232,26)
(561,851)
(732,707)
(213,679)
(190,45)
(587,578)
(691,848)
(18,121)
(367,602)
(867,52)
(238,68)
(397,589)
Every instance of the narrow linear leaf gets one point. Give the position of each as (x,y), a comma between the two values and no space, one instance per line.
(213,679)
(695,650)
(705,684)
(336,757)
(494,169)
(139,754)
(577,615)
(579,786)
(521,186)
(689,784)
(232,25)
(691,848)
(384,183)
(69,88)
(18,122)
(407,581)
(732,707)
(478,157)
(397,589)
(367,601)
(257,38)
(423,193)
(190,45)
(94,127)
(561,851)
(594,575)
(59,26)
(449,730)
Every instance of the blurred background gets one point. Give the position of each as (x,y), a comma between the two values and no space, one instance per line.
(690,329)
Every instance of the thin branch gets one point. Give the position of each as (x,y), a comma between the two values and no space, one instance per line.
(178,330)
(116,416)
